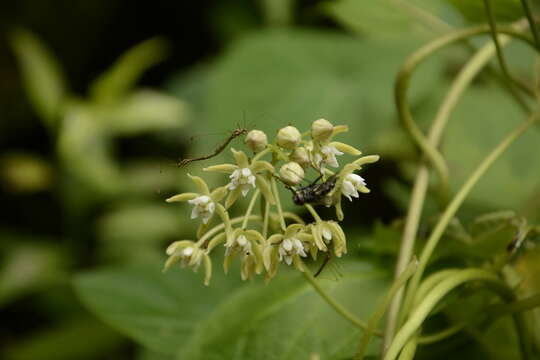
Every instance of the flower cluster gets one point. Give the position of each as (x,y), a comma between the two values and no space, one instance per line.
(273,236)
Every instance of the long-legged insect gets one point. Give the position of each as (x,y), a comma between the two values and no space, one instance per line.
(235,133)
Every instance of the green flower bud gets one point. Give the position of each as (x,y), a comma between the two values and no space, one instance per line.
(321,130)
(291,173)
(300,155)
(288,137)
(256,140)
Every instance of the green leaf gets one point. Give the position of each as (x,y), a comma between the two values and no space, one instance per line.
(84,148)
(158,310)
(42,76)
(121,77)
(174,313)
(142,111)
(305,75)
(474,129)
(474,11)
(383,18)
(81,338)
(28,266)
(134,232)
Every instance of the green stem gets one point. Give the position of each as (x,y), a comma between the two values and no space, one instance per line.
(265,219)
(313,213)
(532,24)
(402,85)
(221,226)
(381,309)
(454,205)
(492,313)
(278,204)
(261,154)
(421,312)
(500,56)
(457,89)
(340,309)
(250,208)
(409,349)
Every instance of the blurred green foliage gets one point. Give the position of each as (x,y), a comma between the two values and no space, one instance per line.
(339,63)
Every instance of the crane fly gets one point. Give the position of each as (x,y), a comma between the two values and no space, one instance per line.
(234,134)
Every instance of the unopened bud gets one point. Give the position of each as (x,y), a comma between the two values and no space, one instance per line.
(321,130)
(291,173)
(300,155)
(256,140)
(288,137)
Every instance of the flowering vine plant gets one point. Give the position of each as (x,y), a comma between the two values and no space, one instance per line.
(263,241)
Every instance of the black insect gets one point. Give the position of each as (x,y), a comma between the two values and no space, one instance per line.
(314,193)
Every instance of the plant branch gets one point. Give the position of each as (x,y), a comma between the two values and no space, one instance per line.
(382,307)
(500,56)
(456,202)
(456,91)
(340,309)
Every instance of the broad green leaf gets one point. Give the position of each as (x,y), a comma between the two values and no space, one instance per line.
(28,266)
(297,76)
(143,111)
(158,310)
(84,148)
(146,354)
(42,76)
(474,11)
(134,232)
(383,18)
(475,128)
(289,319)
(123,75)
(174,313)
(81,338)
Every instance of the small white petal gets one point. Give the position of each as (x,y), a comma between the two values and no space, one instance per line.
(288,260)
(326,233)
(194,213)
(187,251)
(246,172)
(287,245)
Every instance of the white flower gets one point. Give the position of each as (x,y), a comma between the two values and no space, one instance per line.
(290,247)
(326,234)
(327,155)
(241,243)
(351,184)
(243,178)
(203,206)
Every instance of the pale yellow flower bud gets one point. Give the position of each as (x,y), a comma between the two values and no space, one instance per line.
(288,137)
(256,140)
(301,156)
(321,130)
(291,173)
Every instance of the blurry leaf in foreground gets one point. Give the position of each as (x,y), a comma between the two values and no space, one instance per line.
(143,111)
(174,313)
(124,73)
(28,267)
(474,11)
(42,76)
(21,172)
(382,18)
(135,232)
(85,150)
(81,338)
